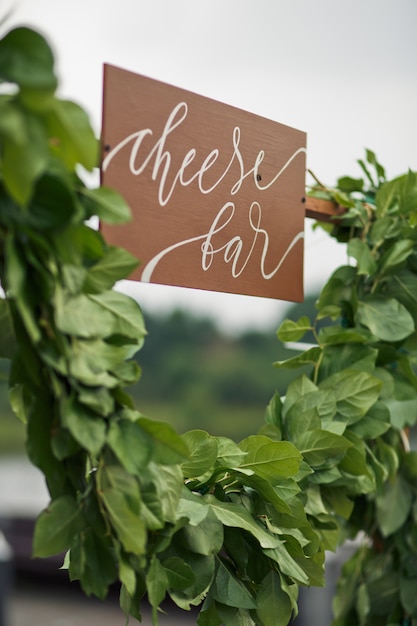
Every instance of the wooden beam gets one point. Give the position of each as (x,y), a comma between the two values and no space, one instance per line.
(322,210)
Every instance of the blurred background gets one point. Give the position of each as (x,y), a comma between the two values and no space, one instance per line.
(345,73)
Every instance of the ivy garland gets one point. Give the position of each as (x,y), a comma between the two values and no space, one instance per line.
(235,528)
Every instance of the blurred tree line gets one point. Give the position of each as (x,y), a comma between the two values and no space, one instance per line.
(195,376)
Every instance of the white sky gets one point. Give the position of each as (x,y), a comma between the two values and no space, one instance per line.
(344,71)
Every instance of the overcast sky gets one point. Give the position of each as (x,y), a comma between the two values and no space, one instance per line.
(344,71)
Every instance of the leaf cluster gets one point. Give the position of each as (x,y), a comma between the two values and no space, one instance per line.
(366,359)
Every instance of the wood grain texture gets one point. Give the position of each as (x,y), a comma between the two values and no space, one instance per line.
(217,193)
(323,210)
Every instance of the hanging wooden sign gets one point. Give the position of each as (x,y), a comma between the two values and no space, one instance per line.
(217,193)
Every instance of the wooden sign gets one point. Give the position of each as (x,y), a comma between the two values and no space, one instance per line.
(216,193)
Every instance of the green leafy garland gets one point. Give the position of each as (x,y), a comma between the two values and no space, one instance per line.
(235,528)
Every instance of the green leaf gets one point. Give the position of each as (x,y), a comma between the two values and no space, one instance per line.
(151,509)
(126,440)
(386,318)
(169,448)
(81,316)
(130,604)
(367,173)
(309,357)
(16,281)
(292,591)
(202,450)
(127,318)
(121,497)
(73,140)
(228,452)
(360,251)
(127,575)
(92,562)
(63,444)
(230,590)
(56,527)
(12,122)
(115,265)
(205,538)
(387,227)
(410,464)
(193,507)
(93,359)
(270,459)
(39,447)
(379,471)
(396,254)
(273,413)
(372,160)
(351,356)
(343,199)
(318,446)
(23,162)
(334,335)
(335,499)
(53,204)
(363,604)
(167,482)
(374,424)
(204,569)
(408,196)
(7,335)
(236,516)
(338,289)
(294,331)
(287,564)
(78,245)
(328,528)
(265,489)
(107,204)
(274,607)
(297,389)
(19,405)
(209,616)
(386,196)
(354,461)
(408,594)
(403,287)
(355,392)
(98,399)
(388,455)
(383,590)
(127,372)
(179,573)
(349,185)
(327,473)
(27,59)
(402,403)
(156,582)
(393,505)
(306,413)
(85,426)
(233,616)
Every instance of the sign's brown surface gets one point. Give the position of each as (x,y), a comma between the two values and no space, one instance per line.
(216,192)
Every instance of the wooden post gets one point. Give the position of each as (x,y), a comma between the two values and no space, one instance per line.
(322,210)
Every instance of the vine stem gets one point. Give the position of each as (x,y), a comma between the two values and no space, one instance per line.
(320,184)
(405,441)
(320,359)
